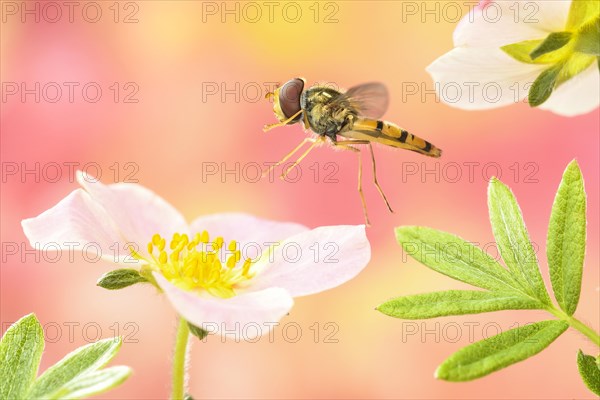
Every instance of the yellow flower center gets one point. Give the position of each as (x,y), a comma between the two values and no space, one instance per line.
(196,264)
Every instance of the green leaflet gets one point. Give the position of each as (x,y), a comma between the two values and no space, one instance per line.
(21,350)
(521,51)
(454,257)
(455,302)
(566,239)
(198,332)
(497,352)
(120,278)
(588,38)
(521,287)
(93,383)
(544,85)
(513,240)
(74,368)
(553,41)
(589,371)
(526,50)
(74,376)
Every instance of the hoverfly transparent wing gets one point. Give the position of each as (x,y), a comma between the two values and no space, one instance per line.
(369,99)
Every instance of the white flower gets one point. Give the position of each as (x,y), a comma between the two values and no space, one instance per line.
(478,74)
(203,276)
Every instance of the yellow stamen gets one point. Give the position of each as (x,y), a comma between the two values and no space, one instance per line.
(196,264)
(231,262)
(163,257)
(246,268)
(204,237)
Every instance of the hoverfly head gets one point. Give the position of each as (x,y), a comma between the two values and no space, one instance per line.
(286,100)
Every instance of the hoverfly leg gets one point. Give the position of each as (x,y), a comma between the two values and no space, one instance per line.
(346,146)
(287,157)
(299,160)
(387,203)
(268,127)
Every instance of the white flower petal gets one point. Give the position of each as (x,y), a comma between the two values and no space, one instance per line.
(246,229)
(578,95)
(499,23)
(76,222)
(249,314)
(481,78)
(314,261)
(139,212)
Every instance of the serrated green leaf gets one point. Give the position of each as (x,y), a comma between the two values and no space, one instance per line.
(93,383)
(589,371)
(454,257)
(21,350)
(75,365)
(455,302)
(500,351)
(582,11)
(553,41)
(544,85)
(120,278)
(566,239)
(513,240)
(198,332)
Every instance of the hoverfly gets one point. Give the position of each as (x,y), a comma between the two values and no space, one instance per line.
(352,116)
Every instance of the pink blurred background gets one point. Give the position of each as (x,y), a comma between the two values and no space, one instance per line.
(176,131)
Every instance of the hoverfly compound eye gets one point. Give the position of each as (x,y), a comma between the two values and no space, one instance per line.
(289,97)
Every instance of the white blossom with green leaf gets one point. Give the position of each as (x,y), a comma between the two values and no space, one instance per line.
(506,51)
(519,286)
(78,375)
(203,275)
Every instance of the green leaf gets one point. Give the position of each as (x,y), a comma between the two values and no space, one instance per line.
(500,351)
(588,38)
(566,239)
(455,302)
(589,371)
(513,240)
(21,350)
(582,11)
(74,366)
(120,278)
(198,332)
(553,41)
(454,257)
(521,51)
(544,85)
(93,383)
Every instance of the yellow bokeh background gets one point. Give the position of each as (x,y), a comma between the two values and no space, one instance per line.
(178,131)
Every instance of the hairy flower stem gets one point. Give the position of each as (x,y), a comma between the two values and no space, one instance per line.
(183,333)
(576,324)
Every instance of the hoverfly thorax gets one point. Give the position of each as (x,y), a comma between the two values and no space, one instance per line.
(286,100)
